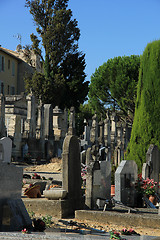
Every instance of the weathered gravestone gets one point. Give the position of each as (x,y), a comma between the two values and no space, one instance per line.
(151,168)
(125,178)
(71,172)
(98,183)
(98,178)
(7,146)
(13,215)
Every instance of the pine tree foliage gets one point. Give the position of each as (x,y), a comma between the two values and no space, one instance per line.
(64,77)
(114,84)
(146,127)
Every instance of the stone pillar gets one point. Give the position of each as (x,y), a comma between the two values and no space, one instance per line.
(48,121)
(71,130)
(30,124)
(101,133)
(40,122)
(17,137)
(107,137)
(94,130)
(113,132)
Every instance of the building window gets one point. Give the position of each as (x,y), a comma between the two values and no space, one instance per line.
(13,68)
(1,63)
(8,90)
(9,63)
(12,90)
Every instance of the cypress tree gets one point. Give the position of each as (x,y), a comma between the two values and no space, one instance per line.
(146,124)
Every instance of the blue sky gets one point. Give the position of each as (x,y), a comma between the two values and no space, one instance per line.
(109,28)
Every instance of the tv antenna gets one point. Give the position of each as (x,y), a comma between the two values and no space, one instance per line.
(19,37)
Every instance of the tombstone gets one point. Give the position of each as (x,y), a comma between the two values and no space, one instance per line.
(102,153)
(113,131)
(71,171)
(83,156)
(98,183)
(71,129)
(30,123)
(85,143)
(94,130)
(13,215)
(101,133)
(40,122)
(59,123)
(88,156)
(117,155)
(2,116)
(17,137)
(152,167)
(92,184)
(48,121)
(125,178)
(107,131)
(7,146)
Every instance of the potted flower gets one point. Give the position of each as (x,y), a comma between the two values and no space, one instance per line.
(146,187)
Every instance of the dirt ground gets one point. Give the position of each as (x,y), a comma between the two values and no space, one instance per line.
(56,166)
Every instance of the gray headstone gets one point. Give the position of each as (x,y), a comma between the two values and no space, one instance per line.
(13,215)
(71,170)
(98,183)
(10,181)
(48,121)
(153,163)
(7,148)
(125,178)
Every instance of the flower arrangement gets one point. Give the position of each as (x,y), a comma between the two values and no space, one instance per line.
(83,175)
(117,235)
(53,186)
(36,176)
(25,231)
(145,186)
(131,231)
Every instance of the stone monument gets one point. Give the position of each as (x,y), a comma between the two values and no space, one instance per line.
(13,215)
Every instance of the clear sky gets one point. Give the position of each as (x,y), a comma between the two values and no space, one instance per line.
(109,28)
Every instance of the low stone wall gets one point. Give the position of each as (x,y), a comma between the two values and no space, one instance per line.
(145,218)
(43,206)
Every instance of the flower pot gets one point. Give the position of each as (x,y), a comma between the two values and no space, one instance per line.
(112,190)
(153,199)
(33,192)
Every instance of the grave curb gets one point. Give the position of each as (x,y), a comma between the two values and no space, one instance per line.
(148,220)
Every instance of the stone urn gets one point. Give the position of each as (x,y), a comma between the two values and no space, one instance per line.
(55,194)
